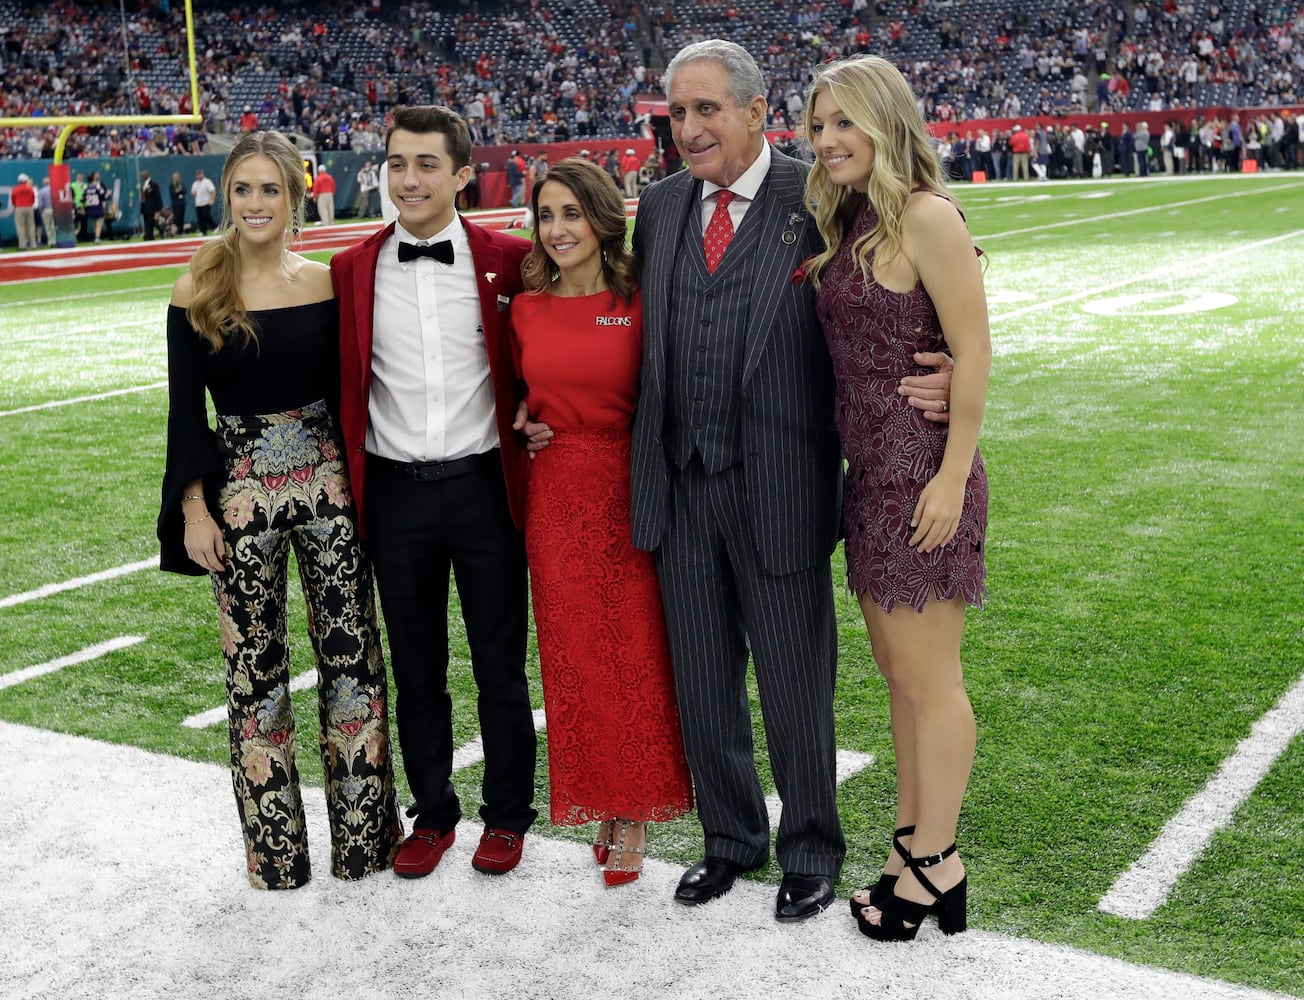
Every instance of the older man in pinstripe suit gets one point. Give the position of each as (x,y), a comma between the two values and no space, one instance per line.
(736,478)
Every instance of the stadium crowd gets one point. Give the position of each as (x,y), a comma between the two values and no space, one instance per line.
(545,72)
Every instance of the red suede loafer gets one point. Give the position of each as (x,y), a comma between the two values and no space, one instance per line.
(499,851)
(420,853)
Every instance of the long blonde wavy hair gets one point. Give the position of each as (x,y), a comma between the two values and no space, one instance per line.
(216,310)
(876,98)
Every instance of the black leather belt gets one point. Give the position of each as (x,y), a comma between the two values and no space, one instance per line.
(431,472)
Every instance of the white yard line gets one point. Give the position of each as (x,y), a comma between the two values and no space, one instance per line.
(467,755)
(54,403)
(1158,272)
(1145,886)
(849,763)
(81,581)
(81,656)
(473,752)
(21,303)
(211,717)
(1148,209)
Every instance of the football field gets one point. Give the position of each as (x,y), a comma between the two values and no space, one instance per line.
(1137,674)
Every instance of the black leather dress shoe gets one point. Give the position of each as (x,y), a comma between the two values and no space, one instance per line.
(802,896)
(708,879)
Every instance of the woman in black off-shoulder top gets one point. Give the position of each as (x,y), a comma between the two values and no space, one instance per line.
(254,325)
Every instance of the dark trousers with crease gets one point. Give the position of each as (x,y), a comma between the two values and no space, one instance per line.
(720,600)
(417,533)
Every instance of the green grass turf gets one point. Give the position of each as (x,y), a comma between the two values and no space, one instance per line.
(1144,557)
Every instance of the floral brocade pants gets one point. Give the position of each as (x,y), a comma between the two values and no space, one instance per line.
(286,486)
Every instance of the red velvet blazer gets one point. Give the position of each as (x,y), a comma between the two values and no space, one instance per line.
(498,258)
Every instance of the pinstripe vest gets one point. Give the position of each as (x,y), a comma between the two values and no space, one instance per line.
(708,331)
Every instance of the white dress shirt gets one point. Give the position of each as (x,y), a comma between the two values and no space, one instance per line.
(432,397)
(745,188)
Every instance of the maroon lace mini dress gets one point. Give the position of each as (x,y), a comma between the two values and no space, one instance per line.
(892,451)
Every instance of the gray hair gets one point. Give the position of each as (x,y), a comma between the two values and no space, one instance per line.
(745,80)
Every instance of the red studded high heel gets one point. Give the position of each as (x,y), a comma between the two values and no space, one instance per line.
(616,871)
(602,842)
(882,889)
(899,918)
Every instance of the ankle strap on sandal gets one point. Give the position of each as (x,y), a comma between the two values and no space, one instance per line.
(928,860)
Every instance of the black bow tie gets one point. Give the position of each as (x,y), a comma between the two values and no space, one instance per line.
(441,251)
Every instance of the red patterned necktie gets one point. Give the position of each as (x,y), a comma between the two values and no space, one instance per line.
(719,231)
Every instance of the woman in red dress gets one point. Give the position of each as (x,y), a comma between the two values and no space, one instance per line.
(615,753)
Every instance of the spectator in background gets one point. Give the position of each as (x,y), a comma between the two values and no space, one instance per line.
(22,198)
(45,204)
(96,199)
(629,166)
(368,191)
(323,193)
(151,202)
(177,198)
(1020,149)
(248,120)
(204,194)
(516,178)
(77,188)
(1141,146)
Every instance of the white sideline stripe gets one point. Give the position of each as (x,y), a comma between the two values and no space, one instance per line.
(473,752)
(85,295)
(1159,272)
(81,581)
(467,755)
(81,656)
(849,763)
(83,399)
(211,717)
(1145,886)
(1092,219)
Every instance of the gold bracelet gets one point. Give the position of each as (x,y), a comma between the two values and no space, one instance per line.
(197,521)
(184,499)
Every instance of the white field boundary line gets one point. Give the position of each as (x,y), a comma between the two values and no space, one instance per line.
(467,755)
(1145,210)
(849,764)
(81,656)
(81,581)
(211,717)
(83,399)
(22,303)
(1145,886)
(1158,272)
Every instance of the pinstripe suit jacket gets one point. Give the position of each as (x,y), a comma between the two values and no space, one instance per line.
(791,456)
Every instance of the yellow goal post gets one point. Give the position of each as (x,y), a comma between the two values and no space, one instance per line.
(60,177)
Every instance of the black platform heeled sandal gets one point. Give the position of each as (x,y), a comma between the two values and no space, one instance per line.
(882,889)
(899,918)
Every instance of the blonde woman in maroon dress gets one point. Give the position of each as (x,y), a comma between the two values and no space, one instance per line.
(900,276)
(615,752)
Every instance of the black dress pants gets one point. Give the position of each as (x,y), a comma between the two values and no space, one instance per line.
(418,530)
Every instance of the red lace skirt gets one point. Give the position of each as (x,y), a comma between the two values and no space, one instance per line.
(615,750)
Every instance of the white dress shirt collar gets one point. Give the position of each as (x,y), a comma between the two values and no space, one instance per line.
(751,180)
